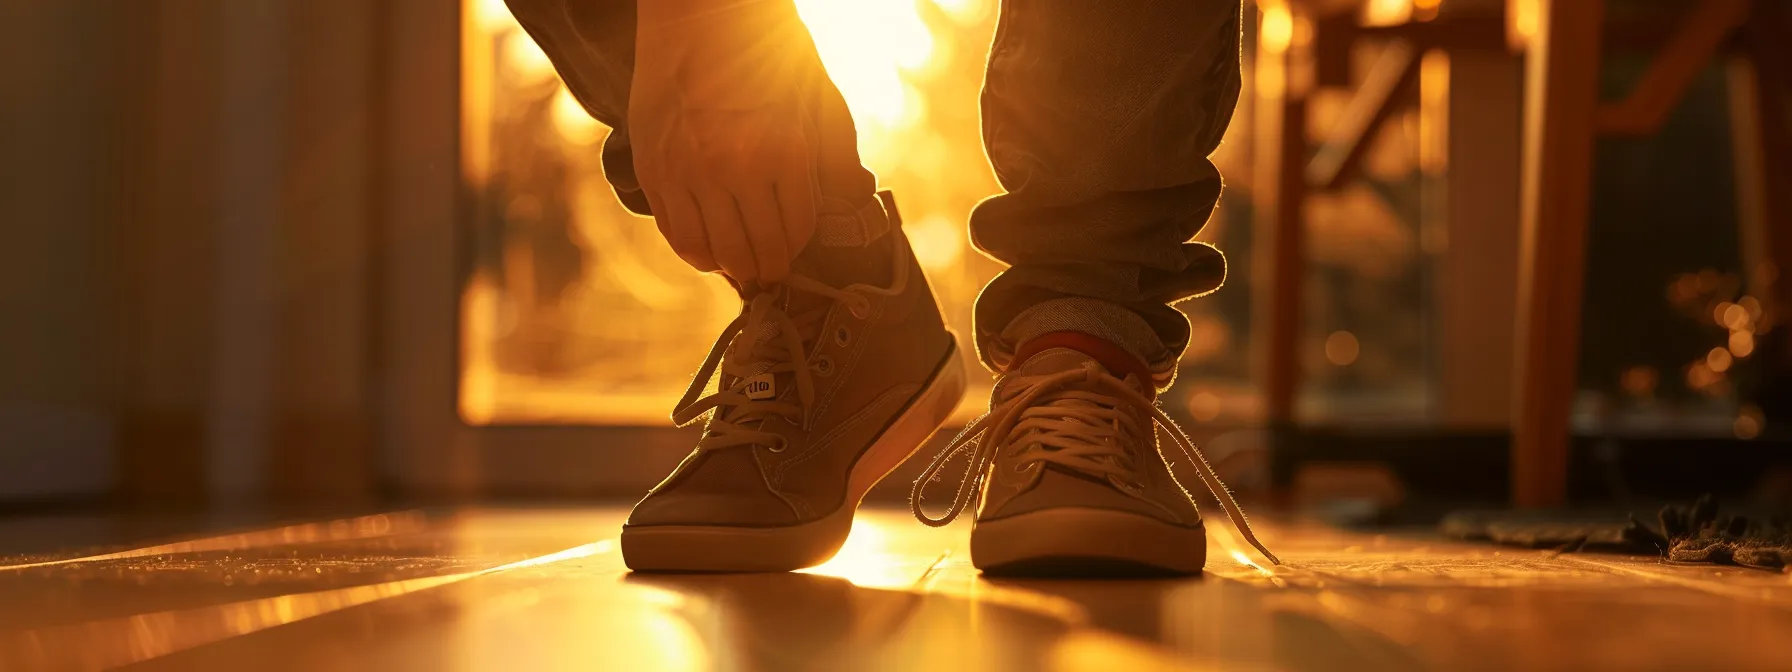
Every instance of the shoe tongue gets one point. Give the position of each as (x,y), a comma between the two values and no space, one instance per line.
(792,303)
(768,331)
(834,266)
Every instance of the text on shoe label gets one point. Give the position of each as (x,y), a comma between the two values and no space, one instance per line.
(761,387)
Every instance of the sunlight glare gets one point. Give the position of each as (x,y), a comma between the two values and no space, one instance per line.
(492,16)
(938,242)
(571,121)
(1387,12)
(866,46)
(525,60)
(964,11)
(1277,30)
(865,559)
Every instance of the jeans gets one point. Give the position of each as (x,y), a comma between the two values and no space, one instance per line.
(1098,117)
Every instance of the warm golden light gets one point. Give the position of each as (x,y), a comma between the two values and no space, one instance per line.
(866,46)
(1434,124)
(1522,22)
(571,121)
(1247,561)
(1386,12)
(965,11)
(122,640)
(1277,31)
(491,16)
(524,60)
(1204,405)
(1752,305)
(939,242)
(1341,348)
(866,559)
(335,531)
(1719,313)
(577,311)
(1742,344)
(1749,422)
(1425,10)
(1733,316)
(1390,12)
(1701,378)
(1718,359)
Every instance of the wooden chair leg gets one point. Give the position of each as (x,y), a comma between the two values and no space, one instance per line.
(1280,192)
(1561,93)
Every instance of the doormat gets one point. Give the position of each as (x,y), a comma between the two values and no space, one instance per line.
(1682,533)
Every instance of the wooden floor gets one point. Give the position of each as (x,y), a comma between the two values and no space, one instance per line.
(547,590)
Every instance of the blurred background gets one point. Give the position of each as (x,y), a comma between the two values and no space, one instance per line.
(333,253)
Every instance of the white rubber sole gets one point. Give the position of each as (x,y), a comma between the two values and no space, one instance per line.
(722,548)
(1084,542)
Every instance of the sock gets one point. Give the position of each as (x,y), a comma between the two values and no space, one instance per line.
(1117,360)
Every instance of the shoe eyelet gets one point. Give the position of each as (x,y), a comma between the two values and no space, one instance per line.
(860,309)
(842,336)
(780,447)
(824,366)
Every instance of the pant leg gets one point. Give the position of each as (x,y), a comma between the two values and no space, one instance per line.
(592,45)
(1098,118)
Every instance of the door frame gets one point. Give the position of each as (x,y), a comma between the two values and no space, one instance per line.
(427,452)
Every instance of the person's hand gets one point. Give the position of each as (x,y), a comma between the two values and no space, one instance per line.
(716,120)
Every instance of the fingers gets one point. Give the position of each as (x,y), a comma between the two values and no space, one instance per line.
(727,236)
(681,222)
(730,191)
(765,231)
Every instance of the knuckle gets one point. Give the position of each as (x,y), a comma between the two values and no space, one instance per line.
(731,251)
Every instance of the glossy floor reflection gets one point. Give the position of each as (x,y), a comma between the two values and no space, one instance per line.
(546,589)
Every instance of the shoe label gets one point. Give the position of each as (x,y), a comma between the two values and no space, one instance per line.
(761,387)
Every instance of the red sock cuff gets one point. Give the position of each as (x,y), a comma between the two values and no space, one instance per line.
(1116,359)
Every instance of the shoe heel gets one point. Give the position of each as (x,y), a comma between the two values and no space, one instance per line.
(911,430)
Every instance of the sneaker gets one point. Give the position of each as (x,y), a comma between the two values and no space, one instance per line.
(1071,477)
(823,391)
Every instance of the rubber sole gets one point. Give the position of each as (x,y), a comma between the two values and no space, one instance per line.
(722,548)
(1082,542)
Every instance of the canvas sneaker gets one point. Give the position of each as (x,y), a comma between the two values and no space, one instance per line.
(822,391)
(1071,477)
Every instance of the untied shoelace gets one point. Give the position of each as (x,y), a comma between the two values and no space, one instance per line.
(1077,428)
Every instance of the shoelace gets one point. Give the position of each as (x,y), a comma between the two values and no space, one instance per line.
(1077,428)
(738,416)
